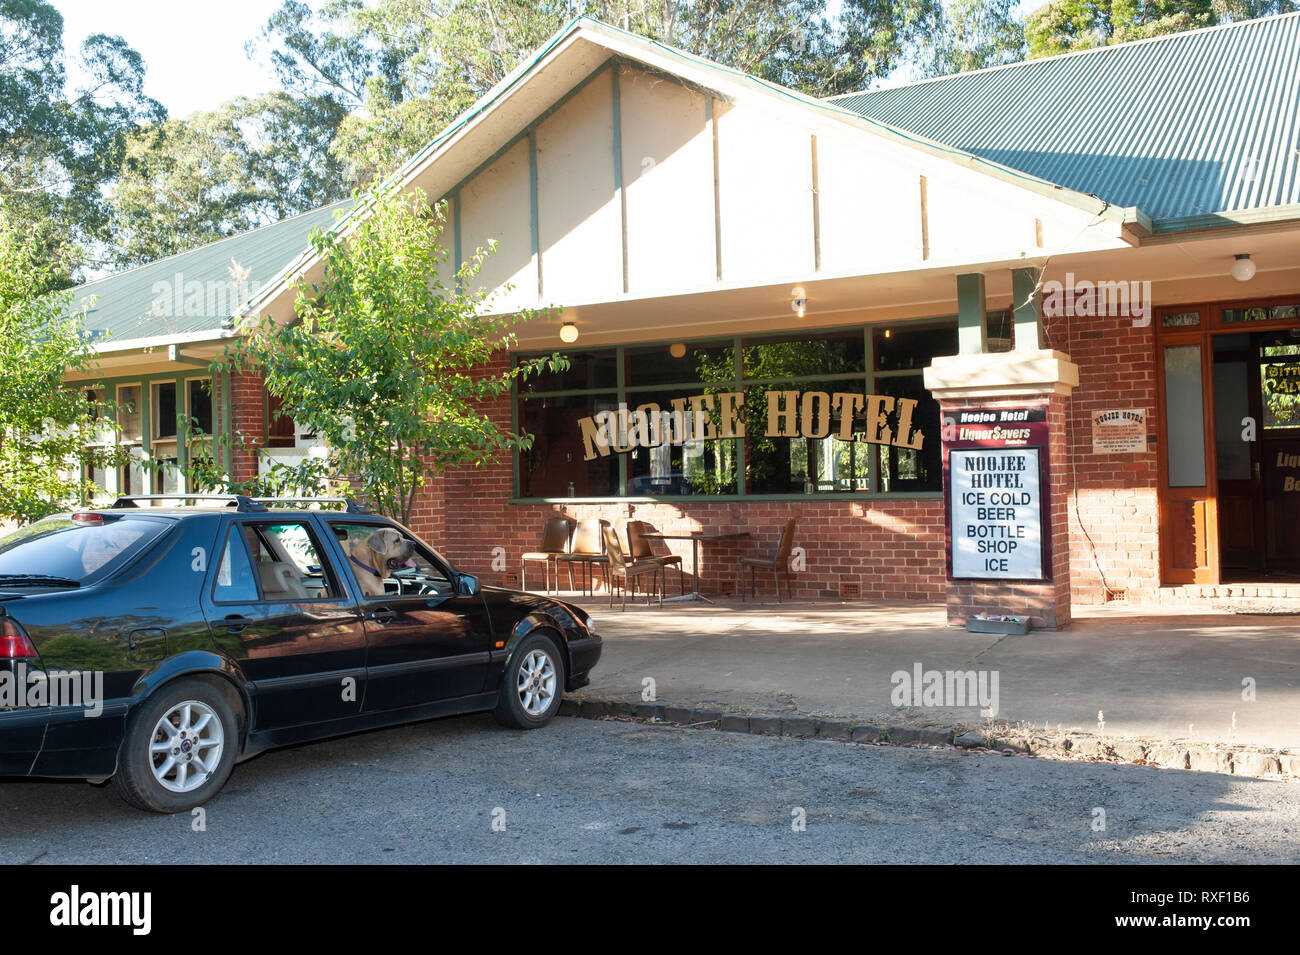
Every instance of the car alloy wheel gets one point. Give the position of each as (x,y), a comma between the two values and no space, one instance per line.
(536,682)
(186,746)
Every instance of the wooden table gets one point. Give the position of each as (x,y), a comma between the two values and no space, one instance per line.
(696,540)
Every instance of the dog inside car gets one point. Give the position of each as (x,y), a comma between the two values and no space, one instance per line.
(376,555)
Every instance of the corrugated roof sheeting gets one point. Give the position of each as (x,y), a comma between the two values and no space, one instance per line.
(1186,125)
(125,302)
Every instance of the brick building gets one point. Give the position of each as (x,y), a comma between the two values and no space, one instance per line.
(1014,338)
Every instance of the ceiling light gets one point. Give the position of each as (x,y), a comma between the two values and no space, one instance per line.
(1243,269)
(677,350)
(799,300)
(568,333)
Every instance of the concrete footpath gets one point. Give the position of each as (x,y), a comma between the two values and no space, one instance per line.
(1159,677)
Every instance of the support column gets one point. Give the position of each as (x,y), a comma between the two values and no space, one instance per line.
(1012,401)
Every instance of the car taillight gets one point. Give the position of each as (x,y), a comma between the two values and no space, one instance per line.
(14,644)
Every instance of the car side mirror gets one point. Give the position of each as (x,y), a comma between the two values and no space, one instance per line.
(466,585)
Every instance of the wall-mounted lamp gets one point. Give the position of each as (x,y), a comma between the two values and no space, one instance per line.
(677,350)
(889,333)
(1243,269)
(568,333)
(799,300)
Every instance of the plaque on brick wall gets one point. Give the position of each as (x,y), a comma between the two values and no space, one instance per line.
(995,481)
(1119,431)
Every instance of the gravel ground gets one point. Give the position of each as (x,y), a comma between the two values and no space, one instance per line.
(602,791)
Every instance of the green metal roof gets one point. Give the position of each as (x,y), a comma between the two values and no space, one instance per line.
(1184,127)
(195,291)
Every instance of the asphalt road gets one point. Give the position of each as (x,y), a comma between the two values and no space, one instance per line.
(587,791)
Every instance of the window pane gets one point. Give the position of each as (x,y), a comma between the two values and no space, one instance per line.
(1279,384)
(200,406)
(1181,320)
(587,369)
(908,469)
(656,366)
(820,463)
(1263,313)
(677,463)
(795,357)
(554,466)
(164,410)
(899,348)
(128,413)
(370,548)
(1185,415)
(235,580)
(287,561)
(1000,331)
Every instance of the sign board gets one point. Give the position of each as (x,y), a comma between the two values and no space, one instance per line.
(997,516)
(1119,431)
(996,484)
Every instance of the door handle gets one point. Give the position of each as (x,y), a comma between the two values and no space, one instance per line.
(234,623)
(382,615)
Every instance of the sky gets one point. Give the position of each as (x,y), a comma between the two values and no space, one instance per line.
(193,49)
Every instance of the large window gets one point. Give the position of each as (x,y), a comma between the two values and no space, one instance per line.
(830,413)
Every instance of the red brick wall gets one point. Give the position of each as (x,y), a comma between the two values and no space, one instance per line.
(248,394)
(1114,516)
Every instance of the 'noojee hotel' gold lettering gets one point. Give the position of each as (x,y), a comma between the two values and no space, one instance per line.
(790,414)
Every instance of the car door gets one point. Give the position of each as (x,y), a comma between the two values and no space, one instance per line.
(277,606)
(425,641)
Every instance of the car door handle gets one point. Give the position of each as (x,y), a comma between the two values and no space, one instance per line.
(382,615)
(234,623)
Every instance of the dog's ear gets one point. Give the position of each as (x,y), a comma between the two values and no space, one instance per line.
(383,541)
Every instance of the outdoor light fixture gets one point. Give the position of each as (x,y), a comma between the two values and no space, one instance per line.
(888,333)
(677,350)
(1243,269)
(568,333)
(799,304)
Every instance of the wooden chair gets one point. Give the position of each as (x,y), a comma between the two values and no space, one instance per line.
(639,548)
(620,567)
(780,561)
(555,542)
(586,548)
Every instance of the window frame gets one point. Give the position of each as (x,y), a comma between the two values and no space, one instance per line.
(626,394)
(235,527)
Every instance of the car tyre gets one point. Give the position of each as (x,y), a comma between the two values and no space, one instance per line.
(533,684)
(179,747)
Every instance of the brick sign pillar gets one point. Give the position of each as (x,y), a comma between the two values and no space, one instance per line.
(1006,474)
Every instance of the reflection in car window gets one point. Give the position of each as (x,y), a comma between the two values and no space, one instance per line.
(235,580)
(287,562)
(76,550)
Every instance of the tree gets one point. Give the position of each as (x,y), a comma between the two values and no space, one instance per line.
(972,35)
(1064,25)
(388,363)
(50,434)
(248,163)
(407,68)
(60,149)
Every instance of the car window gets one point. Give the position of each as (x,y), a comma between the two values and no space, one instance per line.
(84,550)
(399,563)
(287,561)
(235,580)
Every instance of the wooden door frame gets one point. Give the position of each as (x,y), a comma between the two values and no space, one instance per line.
(1211,323)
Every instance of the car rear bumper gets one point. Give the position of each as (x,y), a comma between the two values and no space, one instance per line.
(583,655)
(61,741)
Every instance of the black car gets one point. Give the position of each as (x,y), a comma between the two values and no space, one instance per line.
(159,644)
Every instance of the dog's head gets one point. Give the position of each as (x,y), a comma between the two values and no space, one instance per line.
(391,547)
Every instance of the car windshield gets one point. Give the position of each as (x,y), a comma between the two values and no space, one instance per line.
(61,551)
